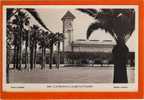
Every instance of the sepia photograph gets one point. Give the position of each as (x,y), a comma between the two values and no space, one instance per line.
(67,47)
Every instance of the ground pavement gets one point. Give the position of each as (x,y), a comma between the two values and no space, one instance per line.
(67,75)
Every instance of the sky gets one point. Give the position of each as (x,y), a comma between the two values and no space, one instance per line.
(52,19)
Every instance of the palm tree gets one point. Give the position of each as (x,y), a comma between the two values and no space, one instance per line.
(34,37)
(16,49)
(120,23)
(11,12)
(26,33)
(25,37)
(8,46)
(31,50)
(48,44)
(52,40)
(60,38)
(20,21)
(47,40)
(43,44)
(16,40)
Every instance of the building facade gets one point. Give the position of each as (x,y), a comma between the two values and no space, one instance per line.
(83,51)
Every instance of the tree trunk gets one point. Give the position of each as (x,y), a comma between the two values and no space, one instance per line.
(20,45)
(14,57)
(7,66)
(51,57)
(20,57)
(26,54)
(31,58)
(120,58)
(35,55)
(44,56)
(43,60)
(17,57)
(72,55)
(63,52)
(58,57)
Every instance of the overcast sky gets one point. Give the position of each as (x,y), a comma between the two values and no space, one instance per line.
(52,19)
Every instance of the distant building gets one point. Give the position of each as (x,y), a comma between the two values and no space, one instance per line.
(83,51)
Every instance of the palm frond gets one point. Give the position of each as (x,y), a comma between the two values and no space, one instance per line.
(120,23)
(34,13)
(127,25)
(91,12)
(10,12)
(132,20)
(94,26)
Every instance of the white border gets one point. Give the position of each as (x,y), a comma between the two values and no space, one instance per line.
(108,87)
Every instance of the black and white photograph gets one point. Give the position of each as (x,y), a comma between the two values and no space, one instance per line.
(70,47)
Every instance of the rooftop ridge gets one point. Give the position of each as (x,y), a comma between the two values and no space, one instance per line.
(68,15)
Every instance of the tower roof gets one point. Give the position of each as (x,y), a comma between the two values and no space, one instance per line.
(68,15)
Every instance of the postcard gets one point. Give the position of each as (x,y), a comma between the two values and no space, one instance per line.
(70,48)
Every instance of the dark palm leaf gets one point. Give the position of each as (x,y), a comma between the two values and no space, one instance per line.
(91,12)
(120,23)
(10,12)
(126,23)
(93,27)
(34,13)
(97,25)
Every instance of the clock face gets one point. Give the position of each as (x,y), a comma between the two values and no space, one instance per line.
(68,26)
(68,23)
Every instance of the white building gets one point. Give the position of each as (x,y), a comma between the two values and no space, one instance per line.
(81,51)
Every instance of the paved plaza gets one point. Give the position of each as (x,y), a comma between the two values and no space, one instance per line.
(67,75)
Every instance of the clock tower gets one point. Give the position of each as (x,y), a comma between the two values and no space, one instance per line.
(67,20)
